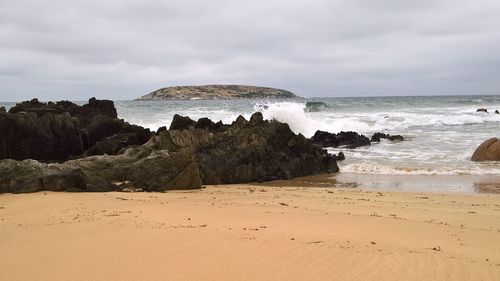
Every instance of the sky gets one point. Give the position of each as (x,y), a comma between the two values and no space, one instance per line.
(120,49)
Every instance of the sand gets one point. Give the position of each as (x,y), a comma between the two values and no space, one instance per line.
(245,232)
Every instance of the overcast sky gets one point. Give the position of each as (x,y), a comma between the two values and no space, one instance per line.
(122,49)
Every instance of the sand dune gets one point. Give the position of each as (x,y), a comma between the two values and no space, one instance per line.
(244,232)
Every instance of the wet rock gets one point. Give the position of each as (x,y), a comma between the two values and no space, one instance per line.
(342,139)
(378,136)
(396,138)
(489,150)
(256,118)
(482,110)
(63,130)
(46,137)
(181,123)
(161,129)
(340,156)
(92,108)
(315,106)
(496,112)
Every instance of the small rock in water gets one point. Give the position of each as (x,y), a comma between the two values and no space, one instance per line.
(348,139)
(482,110)
(340,156)
(378,136)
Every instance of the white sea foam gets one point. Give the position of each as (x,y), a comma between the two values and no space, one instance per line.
(380,169)
(369,122)
(307,124)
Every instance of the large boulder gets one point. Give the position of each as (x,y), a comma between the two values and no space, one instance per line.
(245,151)
(488,151)
(342,139)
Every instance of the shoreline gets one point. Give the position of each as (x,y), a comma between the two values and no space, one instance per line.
(250,232)
(449,184)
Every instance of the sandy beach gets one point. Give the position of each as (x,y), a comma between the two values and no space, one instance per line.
(250,232)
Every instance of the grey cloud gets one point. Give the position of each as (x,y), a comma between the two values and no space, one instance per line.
(123,49)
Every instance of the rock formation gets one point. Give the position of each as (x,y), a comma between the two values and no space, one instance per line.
(342,139)
(378,136)
(187,156)
(489,150)
(210,92)
(59,131)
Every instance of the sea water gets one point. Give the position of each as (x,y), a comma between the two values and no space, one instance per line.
(441,132)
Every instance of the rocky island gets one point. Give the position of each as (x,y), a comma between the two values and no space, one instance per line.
(213,92)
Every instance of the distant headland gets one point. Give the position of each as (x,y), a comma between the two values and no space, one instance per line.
(212,92)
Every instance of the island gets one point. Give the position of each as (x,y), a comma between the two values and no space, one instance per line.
(213,92)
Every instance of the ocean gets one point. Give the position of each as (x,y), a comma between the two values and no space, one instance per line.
(441,132)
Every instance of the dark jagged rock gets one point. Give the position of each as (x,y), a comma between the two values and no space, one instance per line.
(378,136)
(496,112)
(184,122)
(161,129)
(128,135)
(92,108)
(63,130)
(396,138)
(205,123)
(47,137)
(245,151)
(340,156)
(482,110)
(181,122)
(344,139)
(261,152)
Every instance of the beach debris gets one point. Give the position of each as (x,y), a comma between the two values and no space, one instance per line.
(436,248)
(283,204)
(315,242)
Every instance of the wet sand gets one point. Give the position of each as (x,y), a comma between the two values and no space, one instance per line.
(408,183)
(250,232)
